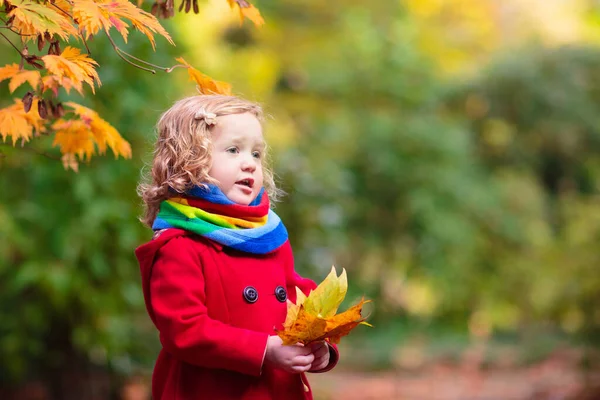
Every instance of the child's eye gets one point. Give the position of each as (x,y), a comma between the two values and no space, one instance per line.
(256,154)
(232,150)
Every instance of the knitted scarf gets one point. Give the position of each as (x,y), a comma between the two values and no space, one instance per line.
(254,228)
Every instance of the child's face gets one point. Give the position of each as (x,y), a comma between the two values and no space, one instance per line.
(238,148)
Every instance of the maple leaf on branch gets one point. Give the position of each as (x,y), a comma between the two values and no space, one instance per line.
(313,318)
(19,76)
(247,10)
(95,15)
(82,134)
(31,19)
(205,84)
(77,67)
(20,124)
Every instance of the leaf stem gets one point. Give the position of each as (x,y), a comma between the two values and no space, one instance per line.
(142,61)
(118,51)
(168,70)
(63,11)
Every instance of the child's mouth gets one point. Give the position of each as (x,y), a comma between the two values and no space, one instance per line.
(246,182)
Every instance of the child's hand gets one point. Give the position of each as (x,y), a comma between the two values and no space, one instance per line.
(321,352)
(294,359)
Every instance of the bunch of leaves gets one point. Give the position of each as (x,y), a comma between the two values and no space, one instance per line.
(313,318)
(50,26)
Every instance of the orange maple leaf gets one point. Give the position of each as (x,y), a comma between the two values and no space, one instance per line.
(206,85)
(52,82)
(313,317)
(95,15)
(93,131)
(247,10)
(74,137)
(71,64)
(31,18)
(18,124)
(19,76)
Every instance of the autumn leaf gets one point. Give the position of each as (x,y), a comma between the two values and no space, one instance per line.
(74,137)
(94,16)
(313,318)
(19,124)
(206,85)
(293,309)
(52,82)
(104,135)
(327,297)
(77,67)
(248,11)
(31,18)
(341,324)
(19,76)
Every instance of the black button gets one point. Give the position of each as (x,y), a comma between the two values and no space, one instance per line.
(250,294)
(281,294)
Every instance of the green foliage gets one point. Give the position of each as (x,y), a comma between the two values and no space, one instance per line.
(468,205)
(68,274)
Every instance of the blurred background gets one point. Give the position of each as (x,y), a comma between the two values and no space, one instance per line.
(446,153)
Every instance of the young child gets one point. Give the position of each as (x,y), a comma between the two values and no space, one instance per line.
(218,272)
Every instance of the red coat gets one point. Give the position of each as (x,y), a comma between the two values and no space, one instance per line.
(199,295)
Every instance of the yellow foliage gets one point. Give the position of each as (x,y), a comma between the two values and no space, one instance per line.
(327,297)
(77,67)
(31,18)
(18,124)
(96,15)
(206,85)
(74,137)
(313,318)
(82,133)
(104,134)
(247,10)
(18,76)
(79,137)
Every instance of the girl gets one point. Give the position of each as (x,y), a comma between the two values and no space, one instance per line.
(218,272)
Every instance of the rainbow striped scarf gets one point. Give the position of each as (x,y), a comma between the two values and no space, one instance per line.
(254,228)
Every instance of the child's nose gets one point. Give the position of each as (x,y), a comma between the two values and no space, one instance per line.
(249,164)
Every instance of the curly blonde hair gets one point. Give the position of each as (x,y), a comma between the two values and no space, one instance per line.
(182,153)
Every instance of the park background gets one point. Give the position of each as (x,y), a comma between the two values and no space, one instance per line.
(445,153)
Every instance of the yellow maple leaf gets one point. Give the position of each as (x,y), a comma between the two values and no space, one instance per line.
(52,82)
(327,297)
(104,134)
(293,309)
(96,15)
(313,317)
(305,328)
(77,67)
(18,124)
(19,76)
(247,10)
(31,18)
(74,137)
(206,85)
